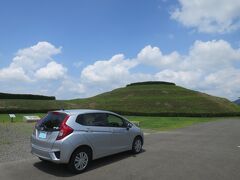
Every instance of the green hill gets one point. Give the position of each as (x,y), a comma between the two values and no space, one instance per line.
(159,98)
(148,98)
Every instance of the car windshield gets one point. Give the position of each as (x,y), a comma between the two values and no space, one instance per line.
(51,122)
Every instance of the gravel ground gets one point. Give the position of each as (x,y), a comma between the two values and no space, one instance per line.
(206,151)
(15,141)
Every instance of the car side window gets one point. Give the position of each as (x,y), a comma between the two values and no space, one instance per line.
(115,121)
(92,119)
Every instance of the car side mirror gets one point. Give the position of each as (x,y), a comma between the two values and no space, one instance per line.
(129,125)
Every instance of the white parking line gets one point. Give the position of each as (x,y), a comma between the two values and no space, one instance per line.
(238,146)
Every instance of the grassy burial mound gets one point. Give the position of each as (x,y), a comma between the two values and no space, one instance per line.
(159,99)
(144,98)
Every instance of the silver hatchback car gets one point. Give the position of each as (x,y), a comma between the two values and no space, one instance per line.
(76,137)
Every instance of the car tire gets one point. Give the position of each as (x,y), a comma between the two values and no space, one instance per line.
(80,160)
(137,145)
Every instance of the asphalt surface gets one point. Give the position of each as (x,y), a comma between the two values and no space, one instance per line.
(206,151)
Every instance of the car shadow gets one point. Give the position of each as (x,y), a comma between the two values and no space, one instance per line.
(61,170)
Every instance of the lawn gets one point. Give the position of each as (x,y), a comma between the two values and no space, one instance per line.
(168,123)
(19,117)
(154,123)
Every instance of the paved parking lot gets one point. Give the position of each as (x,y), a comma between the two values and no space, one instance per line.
(206,151)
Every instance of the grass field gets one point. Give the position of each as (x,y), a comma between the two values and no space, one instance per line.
(168,123)
(19,117)
(154,123)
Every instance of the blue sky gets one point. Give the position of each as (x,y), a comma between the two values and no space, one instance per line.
(81,48)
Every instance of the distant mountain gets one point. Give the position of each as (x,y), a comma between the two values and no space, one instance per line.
(237,102)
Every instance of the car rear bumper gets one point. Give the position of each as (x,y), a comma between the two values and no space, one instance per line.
(46,154)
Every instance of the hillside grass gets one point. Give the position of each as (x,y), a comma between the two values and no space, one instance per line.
(159,100)
(144,100)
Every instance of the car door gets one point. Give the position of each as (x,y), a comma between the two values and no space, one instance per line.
(120,133)
(97,132)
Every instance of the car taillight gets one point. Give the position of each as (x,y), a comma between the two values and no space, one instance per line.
(65,130)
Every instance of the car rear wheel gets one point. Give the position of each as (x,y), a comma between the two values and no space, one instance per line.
(80,160)
(137,145)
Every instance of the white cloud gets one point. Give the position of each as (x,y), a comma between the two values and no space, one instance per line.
(36,56)
(212,67)
(108,71)
(29,67)
(185,78)
(209,16)
(71,88)
(224,82)
(52,71)
(13,73)
(153,56)
(29,60)
(211,56)
(208,66)
(105,75)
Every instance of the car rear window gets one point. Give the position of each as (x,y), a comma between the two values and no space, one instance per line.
(51,122)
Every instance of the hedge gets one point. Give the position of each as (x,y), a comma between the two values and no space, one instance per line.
(151,83)
(26,96)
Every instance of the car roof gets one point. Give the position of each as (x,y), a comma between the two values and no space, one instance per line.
(82,111)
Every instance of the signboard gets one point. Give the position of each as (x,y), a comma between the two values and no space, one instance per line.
(12,115)
(31,118)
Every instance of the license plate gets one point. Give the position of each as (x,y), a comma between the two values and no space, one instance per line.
(42,135)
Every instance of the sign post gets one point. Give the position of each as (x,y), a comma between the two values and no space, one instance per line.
(12,116)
